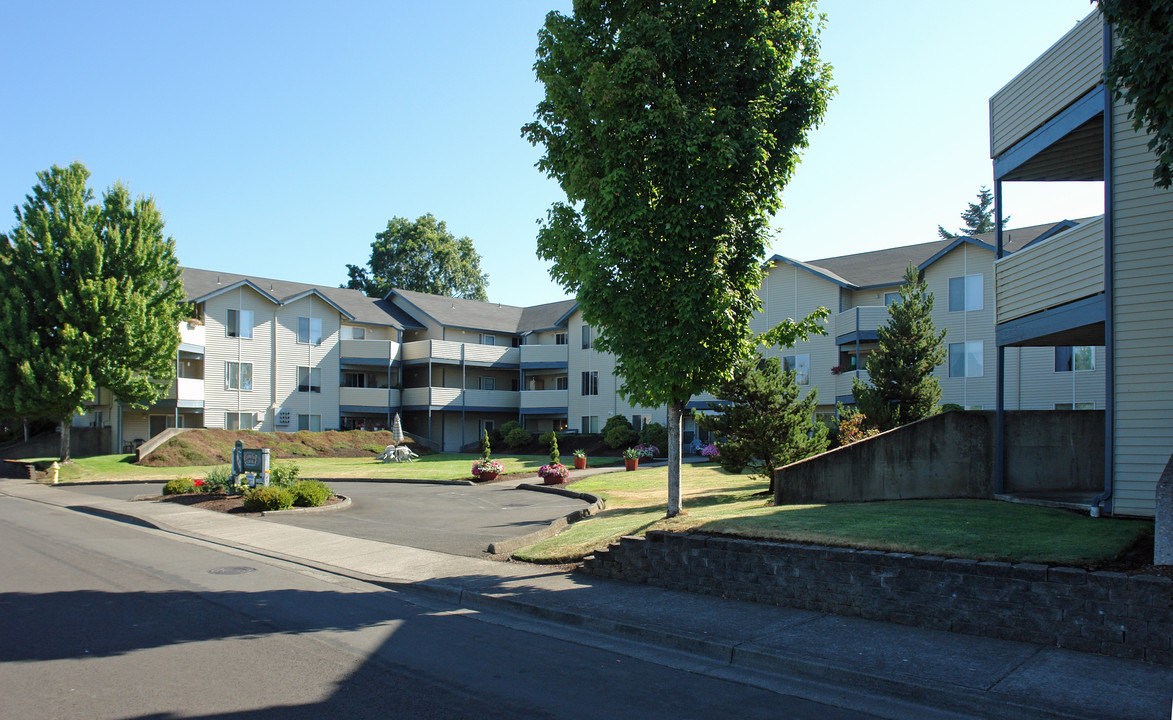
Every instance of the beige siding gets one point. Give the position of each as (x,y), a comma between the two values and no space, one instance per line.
(291,354)
(1142,251)
(1033,384)
(607,402)
(867,298)
(792,293)
(220,349)
(965,326)
(1056,271)
(1068,70)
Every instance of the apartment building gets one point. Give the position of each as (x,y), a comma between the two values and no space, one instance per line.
(1106,282)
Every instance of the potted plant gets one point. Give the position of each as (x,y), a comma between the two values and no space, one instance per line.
(554,473)
(580,460)
(647,451)
(485,469)
(711,451)
(631,459)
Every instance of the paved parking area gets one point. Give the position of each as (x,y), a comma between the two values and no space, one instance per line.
(454,519)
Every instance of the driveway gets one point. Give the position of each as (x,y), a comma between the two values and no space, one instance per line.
(454,519)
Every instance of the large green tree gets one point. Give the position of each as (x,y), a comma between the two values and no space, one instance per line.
(978,218)
(90,296)
(903,388)
(421,256)
(672,127)
(1141,73)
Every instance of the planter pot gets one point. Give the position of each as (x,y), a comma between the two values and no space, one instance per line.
(487,475)
(552,480)
(580,463)
(631,464)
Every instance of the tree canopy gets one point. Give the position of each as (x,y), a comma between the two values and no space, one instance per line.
(90,296)
(672,128)
(903,388)
(978,218)
(421,256)
(1141,73)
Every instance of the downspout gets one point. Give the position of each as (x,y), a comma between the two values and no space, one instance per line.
(999,404)
(1110,304)
(463,394)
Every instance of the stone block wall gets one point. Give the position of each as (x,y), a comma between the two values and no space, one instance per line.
(1100,612)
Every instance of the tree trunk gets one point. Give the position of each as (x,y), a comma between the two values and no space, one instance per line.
(65,424)
(675,418)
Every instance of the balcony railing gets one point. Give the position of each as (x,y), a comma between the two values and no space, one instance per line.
(1056,271)
(445,398)
(455,352)
(369,350)
(865,318)
(191,334)
(844,381)
(544,354)
(380,398)
(535,399)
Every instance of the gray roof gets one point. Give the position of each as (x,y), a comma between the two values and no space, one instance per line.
(494,317)
(886,267)
(202,284)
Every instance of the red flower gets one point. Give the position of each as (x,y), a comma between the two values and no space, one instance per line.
(198,483)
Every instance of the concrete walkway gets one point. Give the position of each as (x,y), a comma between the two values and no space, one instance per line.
(844,656)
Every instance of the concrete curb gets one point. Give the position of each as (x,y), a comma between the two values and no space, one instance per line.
(508,547)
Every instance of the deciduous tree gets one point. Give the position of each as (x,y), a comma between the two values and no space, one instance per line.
(90,296)
(672,127)
(903,387)
(421,256)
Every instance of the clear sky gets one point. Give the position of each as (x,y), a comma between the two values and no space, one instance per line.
(278,138)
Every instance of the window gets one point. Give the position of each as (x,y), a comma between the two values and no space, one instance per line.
(638,421)
(313,423)
(240,323)
(590,382)
(309,379)
(354,380)
(590,423)
(309,330)
(238,376)
(965,359)
(586,337)
(1077,359)
(488,426)
(560,338)
(488,383)
(358,333)
(801,365)
(891,298)
(489,340)
(239,421)
(1075,406)
(562,383)
(965,293)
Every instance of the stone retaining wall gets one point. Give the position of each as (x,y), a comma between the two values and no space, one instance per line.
(1101,612)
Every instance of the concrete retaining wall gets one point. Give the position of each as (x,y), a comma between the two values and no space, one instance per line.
(1101,612)
(951,455)
(82,442)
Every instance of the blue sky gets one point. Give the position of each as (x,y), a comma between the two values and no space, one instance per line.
(277,139)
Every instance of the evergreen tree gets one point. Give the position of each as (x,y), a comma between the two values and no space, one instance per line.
(903,388)
(90,296)
(764,425)
(978,218)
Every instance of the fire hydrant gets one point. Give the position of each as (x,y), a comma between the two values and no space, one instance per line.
(53,472)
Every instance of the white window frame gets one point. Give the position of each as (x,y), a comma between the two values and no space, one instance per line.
(561,339)
(972,293)
(312,330)
(967,349)
(590,382)
(309,420)
(232,421)
(1074,358)
(562,383)
(307,373)
(801,365)
(587,341)
(239,324)
(241,373)
(891,298)
(488,383)
(358,333)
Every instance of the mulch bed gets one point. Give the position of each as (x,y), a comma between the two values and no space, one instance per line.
(231,504)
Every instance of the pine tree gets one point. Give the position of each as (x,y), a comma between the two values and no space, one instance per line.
(764,424)
(903,388)
(978,218)
(90,296)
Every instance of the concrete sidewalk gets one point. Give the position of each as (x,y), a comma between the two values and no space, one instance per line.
(977,676)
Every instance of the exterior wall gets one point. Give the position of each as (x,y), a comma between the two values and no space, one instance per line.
(1059,270)
(1142,314)
(1033,384)
(290,354)
(219,349)
(1069,69)
(965,326)
(607,402)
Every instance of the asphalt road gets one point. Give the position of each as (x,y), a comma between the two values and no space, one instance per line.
(100,619)
(454,519)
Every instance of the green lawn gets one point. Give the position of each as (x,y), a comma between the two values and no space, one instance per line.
(429,467)
(718,502)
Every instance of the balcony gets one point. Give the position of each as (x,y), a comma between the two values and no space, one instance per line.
(1068,70)
(375,398)
(369,352)
(544,356)
(843,383)
(444,398)
(191,334)
(864,320)
(454,352)
(1054,272)
(544,399)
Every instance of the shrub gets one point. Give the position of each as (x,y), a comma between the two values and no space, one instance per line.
(517,437)
(950,406)
(654,434)
(218,480)
(268,498)
(310,493)
(620,436)
(554,456)
(284,474)
(851,428)
(179,486)
(508,427)
(548,438)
